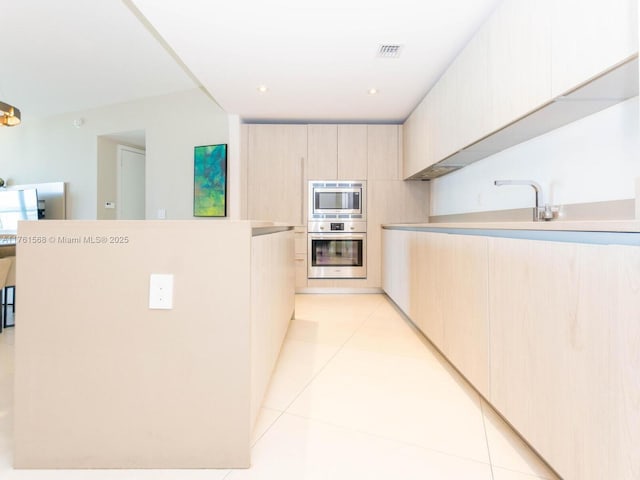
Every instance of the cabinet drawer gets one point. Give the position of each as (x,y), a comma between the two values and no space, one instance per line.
(301,270)
(300,241)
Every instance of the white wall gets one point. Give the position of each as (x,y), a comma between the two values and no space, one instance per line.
(234,169)
(106,177)
(54,150)
(594,159)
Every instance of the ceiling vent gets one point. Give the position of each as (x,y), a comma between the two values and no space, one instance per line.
(389,51)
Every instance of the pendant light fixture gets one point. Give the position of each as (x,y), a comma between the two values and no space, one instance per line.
(9,115)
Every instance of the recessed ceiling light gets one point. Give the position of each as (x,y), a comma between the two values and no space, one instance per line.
(263,89)
(372,91)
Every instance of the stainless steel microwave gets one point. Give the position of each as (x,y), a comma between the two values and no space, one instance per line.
(344,199)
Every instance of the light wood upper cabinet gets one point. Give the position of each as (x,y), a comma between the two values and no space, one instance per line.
(589,37)
(323,152)
(519,61)
(416,140)
(462,100)
(383,151)
(352,152)
(525,55)
(276,164)
(338,152)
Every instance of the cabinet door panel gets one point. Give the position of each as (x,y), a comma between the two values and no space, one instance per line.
(323,152)
(426,309)
(590,36)
(276,173)
(382,152)
(519,60)
(352,152)
(468,96)
(391,201)
(450,300)
(416,140)
(463,291)
(396,266)
(300,246)
(531,295)
(564,340)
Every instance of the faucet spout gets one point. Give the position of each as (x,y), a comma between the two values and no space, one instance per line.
(530,183)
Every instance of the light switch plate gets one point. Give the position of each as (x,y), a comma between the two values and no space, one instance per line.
(161,291)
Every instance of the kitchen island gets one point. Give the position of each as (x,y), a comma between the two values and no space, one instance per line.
(543,319)
(102,380)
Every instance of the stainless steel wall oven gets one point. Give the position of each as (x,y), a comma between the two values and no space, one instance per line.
(337,249)
(337,229)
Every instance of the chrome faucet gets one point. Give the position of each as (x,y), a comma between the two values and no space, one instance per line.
(539,213)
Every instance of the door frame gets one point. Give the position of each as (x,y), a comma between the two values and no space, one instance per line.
(120,149)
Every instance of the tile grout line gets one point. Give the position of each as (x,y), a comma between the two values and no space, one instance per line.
(340,347)
(390,439)
(381,437)
(486,436)
(229,473)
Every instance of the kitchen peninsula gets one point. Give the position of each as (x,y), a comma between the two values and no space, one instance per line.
(103,380)
(543,319)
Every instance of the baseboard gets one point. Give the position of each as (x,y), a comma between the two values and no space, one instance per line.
(338,290)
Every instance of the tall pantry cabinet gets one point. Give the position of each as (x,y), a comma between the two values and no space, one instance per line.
(276,164)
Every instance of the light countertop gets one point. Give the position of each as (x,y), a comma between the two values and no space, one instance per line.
(622,226)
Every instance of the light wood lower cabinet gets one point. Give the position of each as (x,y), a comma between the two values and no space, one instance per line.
(396,266)
(425,307)
(548,332)
(272,307)
(462,282)
(391,201)
(565,337)
(300,242)
(440,282)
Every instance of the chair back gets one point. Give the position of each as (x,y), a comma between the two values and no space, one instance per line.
(5,266)
(11,275)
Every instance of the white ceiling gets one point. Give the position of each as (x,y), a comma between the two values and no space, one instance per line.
(63,56)
(317,57)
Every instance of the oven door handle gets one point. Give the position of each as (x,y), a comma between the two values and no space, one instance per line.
(337,236)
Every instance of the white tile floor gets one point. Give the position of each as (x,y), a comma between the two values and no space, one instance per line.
(357,394)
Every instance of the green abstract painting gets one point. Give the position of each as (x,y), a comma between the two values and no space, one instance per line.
(210,181)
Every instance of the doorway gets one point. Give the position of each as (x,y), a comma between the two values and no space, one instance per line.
(112,183)
(130,189)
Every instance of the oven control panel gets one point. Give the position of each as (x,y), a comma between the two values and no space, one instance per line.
(337,227)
